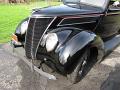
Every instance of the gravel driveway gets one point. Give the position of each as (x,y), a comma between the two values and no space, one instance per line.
(16,75)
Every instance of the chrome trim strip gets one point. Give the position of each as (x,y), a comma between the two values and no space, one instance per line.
(75,23)
(33,29)
(82,16)
(59,24)
(40,16)
(44,33)
(61,21)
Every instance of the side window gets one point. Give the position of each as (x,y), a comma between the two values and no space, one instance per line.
(114,5)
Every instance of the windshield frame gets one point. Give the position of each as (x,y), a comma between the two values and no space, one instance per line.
(81,3)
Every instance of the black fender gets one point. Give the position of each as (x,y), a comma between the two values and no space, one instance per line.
(21,36)
(72,40)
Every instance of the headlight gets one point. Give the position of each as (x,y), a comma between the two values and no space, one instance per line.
(24,27)
(51,41)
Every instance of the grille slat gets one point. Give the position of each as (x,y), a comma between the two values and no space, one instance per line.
(36,28)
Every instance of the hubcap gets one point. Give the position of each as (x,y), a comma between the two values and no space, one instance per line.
(84,62)
(82,67)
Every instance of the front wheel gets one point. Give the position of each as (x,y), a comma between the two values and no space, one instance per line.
(79,71)
(119,32)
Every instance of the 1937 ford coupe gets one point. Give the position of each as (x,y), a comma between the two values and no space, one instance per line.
(67,38)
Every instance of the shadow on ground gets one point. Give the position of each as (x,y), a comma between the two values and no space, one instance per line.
(113,80)
(16,75)
(33,81)
(29,80)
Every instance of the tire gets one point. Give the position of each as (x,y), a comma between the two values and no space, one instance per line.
(119,32)
(79,71)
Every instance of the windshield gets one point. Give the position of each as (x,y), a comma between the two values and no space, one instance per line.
(96,3)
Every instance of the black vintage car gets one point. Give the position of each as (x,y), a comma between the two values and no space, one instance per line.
(71,37)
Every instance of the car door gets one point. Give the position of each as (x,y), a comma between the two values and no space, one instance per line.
(110,22)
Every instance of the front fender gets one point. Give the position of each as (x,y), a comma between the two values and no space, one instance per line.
(73,41)
(19,32)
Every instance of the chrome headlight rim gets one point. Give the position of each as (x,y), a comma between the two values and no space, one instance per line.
(23,27)
(51,40)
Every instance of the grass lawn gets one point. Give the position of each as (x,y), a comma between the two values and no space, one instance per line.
(11,15)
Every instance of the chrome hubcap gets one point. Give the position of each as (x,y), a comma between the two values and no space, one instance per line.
(82,67)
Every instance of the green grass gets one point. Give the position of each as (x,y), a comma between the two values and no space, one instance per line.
(12,14)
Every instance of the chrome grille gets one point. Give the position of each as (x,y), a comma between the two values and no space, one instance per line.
(36,29)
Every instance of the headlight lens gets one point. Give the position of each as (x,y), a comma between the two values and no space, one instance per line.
(24,27)
(51,41)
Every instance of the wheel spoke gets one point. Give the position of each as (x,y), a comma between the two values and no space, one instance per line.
(82,67)
(84,63)
(80,72)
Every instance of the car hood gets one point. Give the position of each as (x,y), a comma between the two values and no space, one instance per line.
(63,10)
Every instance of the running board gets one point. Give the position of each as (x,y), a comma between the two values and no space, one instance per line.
(111,44)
